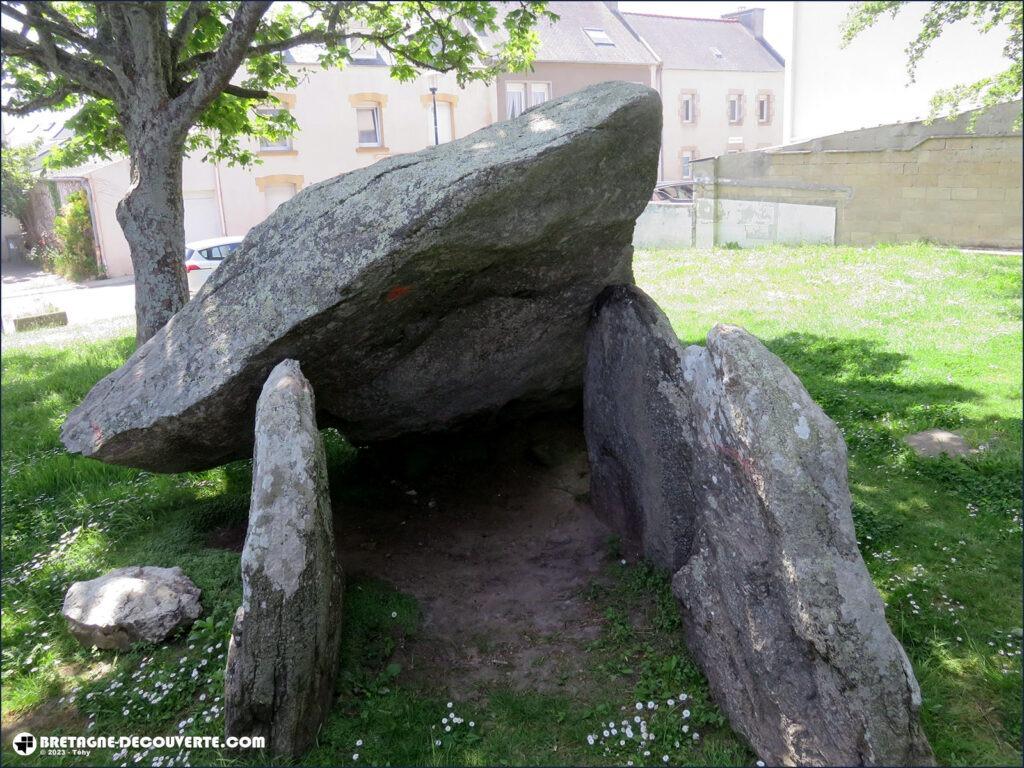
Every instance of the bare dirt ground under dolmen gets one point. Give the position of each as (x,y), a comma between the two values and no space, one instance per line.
(493,535)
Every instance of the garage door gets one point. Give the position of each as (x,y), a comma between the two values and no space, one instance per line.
(202,220)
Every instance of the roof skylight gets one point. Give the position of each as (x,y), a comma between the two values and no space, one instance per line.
(598,36)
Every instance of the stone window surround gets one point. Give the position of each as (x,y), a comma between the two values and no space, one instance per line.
(449,98)
(694,106)
(694,155)
(770,95)
(738,92)
(357,100)
(262,182)
(284,101)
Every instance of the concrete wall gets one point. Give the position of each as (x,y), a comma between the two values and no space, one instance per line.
(893,184)
(10,231)
(708,135)
(664,225)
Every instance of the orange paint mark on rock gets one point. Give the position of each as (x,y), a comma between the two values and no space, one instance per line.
(398,292)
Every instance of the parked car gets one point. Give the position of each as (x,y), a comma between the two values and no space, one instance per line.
(673,192)
(204,256)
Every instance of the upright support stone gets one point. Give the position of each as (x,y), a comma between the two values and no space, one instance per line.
(716,463)
(283,654)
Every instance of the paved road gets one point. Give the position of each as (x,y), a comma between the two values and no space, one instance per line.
(95,309)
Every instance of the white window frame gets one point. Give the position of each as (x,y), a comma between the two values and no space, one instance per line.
(598,36)
(686,157)
(285,143)
(535,87)
(370,106)
(764,101)
(527,89)
(518,89)
(688,104)
(440,122)
(737,100)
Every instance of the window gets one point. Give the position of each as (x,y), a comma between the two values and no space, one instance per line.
(598,36)
(275,194)
(443,122)
(736,108)
(274,145)
(764,108)
(735,144)
(521,96)
(539,93)
(686,158)
(364,51)
(515,99)
(221,251)
(686,108)
(368,125)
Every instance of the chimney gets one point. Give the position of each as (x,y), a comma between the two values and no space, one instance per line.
(751,18)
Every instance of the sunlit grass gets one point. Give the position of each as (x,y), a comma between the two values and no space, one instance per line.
(889,341)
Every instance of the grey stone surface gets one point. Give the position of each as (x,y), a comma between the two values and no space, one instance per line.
(283,654)
(417,293)
(716,460)
(935,442)
(135,604)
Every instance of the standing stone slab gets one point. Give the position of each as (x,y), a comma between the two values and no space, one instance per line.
(420,292)
(718,463)
(134,604)
(283,654)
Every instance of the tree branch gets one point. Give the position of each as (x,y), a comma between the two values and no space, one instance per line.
(47,101)
(91,78)
(246,93)
(195,11)
(216,73)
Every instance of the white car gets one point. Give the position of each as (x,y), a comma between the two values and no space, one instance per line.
(204,256)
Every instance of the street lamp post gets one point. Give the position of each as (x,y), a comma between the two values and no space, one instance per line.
(433,99)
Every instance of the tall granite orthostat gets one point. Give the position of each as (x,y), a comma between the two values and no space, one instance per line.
(715,462)
(417,293)
(283,653)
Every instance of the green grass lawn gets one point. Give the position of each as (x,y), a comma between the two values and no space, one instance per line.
(889,341)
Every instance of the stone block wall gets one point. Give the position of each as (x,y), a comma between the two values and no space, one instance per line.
(962,190)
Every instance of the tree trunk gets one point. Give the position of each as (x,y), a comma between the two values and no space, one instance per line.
(152,216)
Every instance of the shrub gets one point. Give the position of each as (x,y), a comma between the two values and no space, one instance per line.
(75,258)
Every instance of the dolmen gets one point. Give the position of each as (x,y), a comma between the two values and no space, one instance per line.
(488,278)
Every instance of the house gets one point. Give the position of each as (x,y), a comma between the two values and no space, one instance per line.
(590,43)
(721,84)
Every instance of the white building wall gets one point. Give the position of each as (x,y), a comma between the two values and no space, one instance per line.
(711,131)
(836,89)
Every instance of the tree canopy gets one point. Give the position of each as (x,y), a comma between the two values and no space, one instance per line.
(986,15)
(90,57)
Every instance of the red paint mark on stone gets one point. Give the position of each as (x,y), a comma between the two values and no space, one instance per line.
(97,433)
(398,292)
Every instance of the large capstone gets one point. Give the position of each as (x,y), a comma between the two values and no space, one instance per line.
(134,604)
(417,293)
(715,462)
(283,653)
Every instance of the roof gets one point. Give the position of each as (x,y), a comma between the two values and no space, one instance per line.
(686,43)
(566,40)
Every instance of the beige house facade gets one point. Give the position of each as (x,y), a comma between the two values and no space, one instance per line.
(721,86)
(356,116)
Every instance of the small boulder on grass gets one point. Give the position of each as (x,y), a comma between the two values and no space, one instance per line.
(134,604)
